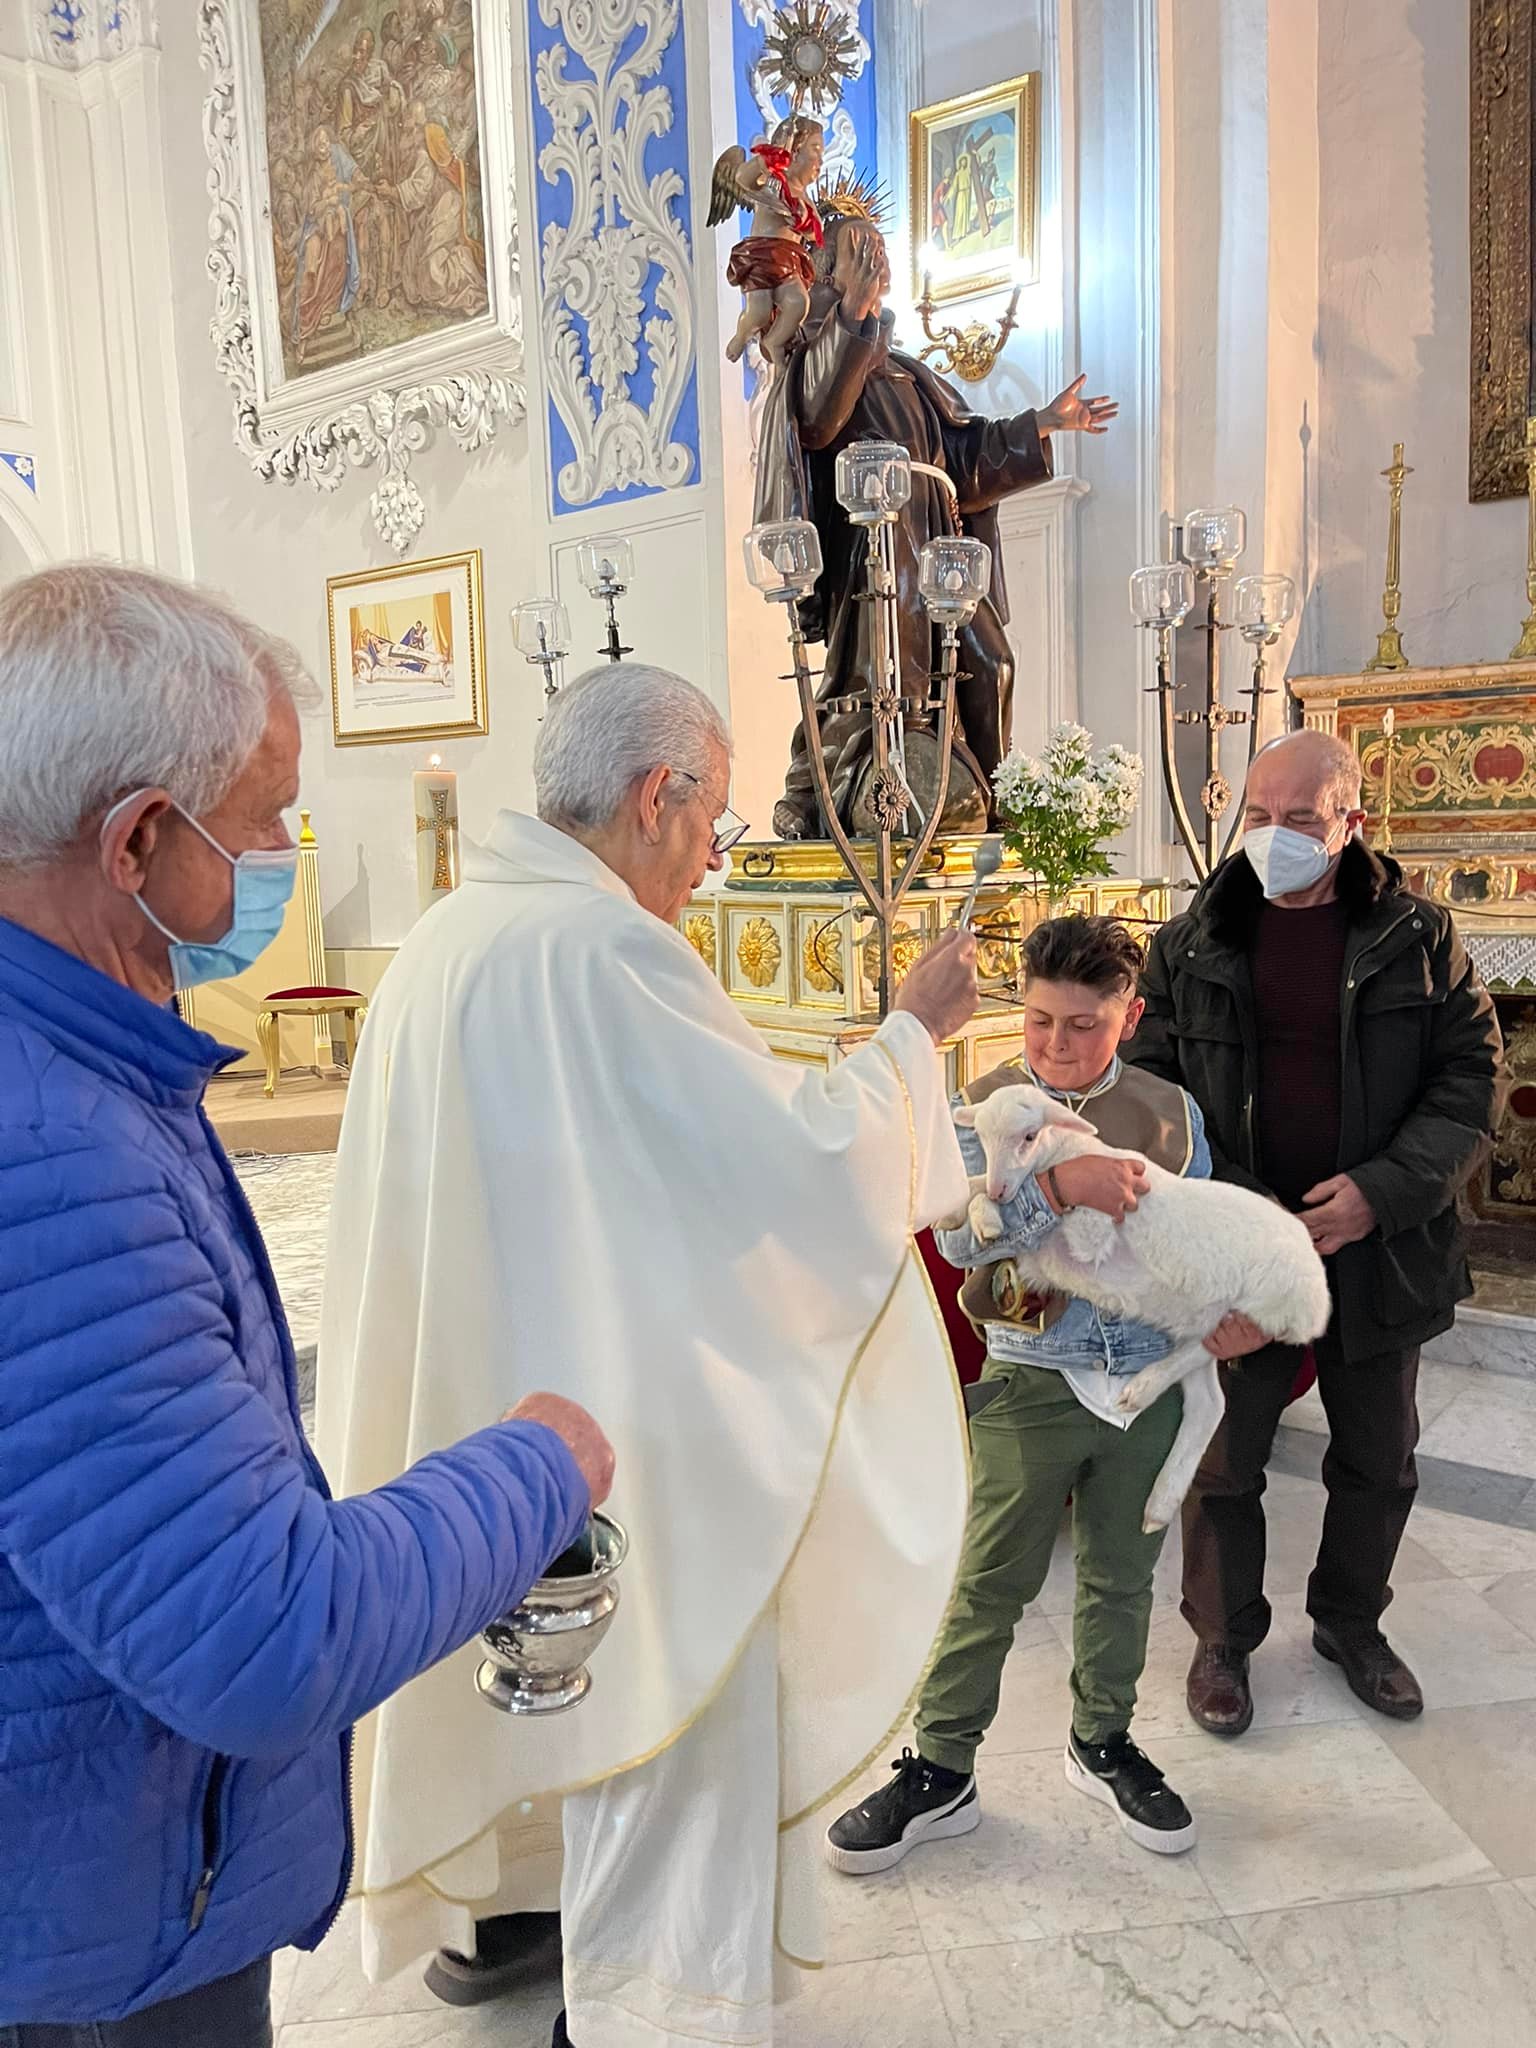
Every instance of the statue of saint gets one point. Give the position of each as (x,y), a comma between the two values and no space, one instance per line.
(842,382)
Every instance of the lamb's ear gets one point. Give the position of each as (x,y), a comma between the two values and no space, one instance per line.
(1055,1112)
(965,1117)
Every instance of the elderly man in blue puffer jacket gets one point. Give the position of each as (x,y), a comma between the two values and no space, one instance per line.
(189,1623)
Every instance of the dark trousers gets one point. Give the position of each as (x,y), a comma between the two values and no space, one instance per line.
(1368,1471)
(234,2013)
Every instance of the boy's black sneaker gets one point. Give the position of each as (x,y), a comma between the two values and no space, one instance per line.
(923,1803)
(1118,1775)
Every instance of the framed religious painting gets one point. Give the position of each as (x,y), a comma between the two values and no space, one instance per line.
(408,652)
(1503,244)
(976,191)
(363,233)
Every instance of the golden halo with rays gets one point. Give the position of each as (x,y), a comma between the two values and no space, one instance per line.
(810,53)
(856,197)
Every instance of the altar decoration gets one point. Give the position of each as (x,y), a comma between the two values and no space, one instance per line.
(435,800)
(976,192)
(1207,544)
(1389,653)
(792,938)
(364,263)
(1448,759)
(408,652)
(1060,809)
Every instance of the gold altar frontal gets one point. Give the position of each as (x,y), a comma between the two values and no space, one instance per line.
(1460,816)
(791,939)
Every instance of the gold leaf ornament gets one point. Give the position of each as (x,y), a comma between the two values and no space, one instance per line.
(759,952)
(699,931)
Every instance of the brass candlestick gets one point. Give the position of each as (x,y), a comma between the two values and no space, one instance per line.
(1389,727)
(1389,653)
(971,352)
(1525,647)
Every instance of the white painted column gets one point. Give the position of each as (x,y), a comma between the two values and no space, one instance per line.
(92,255)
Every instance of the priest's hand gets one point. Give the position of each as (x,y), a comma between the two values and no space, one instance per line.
(1071,413)
(579,1433)
(1336,1214)
(940,990)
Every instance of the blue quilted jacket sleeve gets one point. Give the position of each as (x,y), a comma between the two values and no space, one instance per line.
(150,1503)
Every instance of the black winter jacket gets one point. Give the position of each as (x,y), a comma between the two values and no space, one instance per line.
(1423,1079)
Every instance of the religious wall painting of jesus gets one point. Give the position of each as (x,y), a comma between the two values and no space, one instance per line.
(975,185)
(375,207)
(407,651)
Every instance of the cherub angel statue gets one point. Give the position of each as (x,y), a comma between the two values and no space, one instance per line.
(773,264)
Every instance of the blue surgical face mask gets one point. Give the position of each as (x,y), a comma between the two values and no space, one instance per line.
(264,880)
(1286,861)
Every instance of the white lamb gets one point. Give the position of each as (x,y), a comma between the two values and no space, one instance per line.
(1192,1252)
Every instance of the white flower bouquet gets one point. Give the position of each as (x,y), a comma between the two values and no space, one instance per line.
(1057,811)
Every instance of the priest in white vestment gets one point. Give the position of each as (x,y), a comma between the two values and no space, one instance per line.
(568,1162)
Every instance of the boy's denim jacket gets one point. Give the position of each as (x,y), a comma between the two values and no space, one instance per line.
(1081,1336)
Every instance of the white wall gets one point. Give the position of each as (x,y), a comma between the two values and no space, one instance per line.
(1393,87)
(271,547)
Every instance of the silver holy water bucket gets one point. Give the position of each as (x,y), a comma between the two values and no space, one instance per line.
(537,1661)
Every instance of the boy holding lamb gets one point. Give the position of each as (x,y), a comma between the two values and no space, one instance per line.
(1046,1423)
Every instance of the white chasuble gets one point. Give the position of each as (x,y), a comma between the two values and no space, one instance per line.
(568,1163)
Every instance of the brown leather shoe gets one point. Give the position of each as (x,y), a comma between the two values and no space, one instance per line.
(1217,1690)
(1373,1671)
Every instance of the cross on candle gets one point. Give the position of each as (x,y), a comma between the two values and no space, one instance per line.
(441,825)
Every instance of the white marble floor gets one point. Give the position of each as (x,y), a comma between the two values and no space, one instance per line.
(1358,1884)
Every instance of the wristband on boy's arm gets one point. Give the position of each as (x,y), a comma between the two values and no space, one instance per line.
(1062,1208)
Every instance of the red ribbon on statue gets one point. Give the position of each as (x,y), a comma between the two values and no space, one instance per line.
(803,217)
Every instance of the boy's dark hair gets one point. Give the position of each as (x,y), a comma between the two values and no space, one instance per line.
(1098,952)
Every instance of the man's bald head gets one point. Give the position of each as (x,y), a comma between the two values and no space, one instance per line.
(1304,780)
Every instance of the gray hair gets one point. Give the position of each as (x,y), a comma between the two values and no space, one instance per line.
(114,680)
(610,728)
(1339,773)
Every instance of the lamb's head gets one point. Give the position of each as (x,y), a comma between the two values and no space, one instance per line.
(1015,1126)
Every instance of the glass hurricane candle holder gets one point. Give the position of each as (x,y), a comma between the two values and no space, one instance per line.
(1262,607)
(783,559)
(541,628)
(954,576)
(606,564)
(1162,595)
(874,481)
(1213,539)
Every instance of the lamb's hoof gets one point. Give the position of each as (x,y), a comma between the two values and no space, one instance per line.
(986,1219)
(1128,1399)
(1157,1514)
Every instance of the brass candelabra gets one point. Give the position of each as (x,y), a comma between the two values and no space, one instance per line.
(970,352)
(1389,655)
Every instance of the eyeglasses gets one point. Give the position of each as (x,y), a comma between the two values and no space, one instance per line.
(729,829)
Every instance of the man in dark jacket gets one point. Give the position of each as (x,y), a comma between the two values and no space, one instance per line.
(189,1623)
(1347,1062)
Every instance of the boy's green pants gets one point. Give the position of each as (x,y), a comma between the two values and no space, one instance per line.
(1031,1446)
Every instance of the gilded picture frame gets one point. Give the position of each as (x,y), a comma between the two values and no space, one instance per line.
(975,170)
(407,647)
(1502,244)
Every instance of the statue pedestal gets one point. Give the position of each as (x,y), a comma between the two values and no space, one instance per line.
(791,939)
